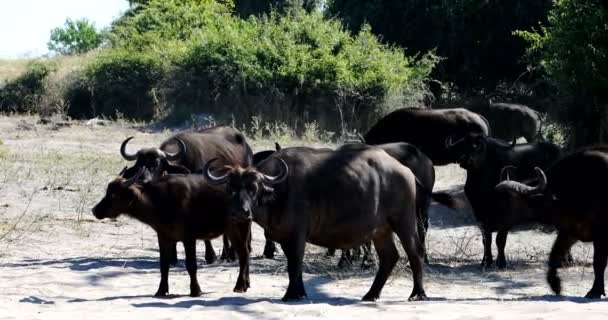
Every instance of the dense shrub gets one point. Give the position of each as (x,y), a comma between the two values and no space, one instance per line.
(118,82)
(573,49)
(297,67)
(24,93)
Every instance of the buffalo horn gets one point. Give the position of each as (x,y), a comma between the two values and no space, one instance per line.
(281,177)
(123,151)
(212,178)
(177,155)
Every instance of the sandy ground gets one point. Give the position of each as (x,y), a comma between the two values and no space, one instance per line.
(58,262)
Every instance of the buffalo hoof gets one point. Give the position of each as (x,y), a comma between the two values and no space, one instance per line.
(293,297)
(344,263)
(371,297)
(210,257)
(195,292)
(160,293)
(501,264)
(554,282)
(242,288)
(595,294)
(487,263)
(420,296)
(426,259)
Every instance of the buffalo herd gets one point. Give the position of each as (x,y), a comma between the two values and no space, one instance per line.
(199,185)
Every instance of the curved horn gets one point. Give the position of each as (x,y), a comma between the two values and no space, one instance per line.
(122,171)
(450,143)
(528,190)
(277,146)
(123,151)
(134,179)
(212,178)
(177,155)
(281,177)
(505,170)
(542,180)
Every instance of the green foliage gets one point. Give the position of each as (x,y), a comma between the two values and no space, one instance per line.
(119,82)
(297,67)
(76,37)
(24,93)
(474,36)
(573,49)
(246,8)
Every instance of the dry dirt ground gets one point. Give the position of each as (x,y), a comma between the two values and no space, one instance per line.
(57,261)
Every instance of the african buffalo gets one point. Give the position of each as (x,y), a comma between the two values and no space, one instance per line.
(179,208)
(571,196)
(428,130)
(422,167)
(269,247)
(335,199)
(187,152)
(510,121)
(484,158)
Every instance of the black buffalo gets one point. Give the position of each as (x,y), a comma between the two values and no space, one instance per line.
(428,130)
(510,121)
(571,196)
(484,158)
(422,167)
(179,208)
(188,152)
(336,199)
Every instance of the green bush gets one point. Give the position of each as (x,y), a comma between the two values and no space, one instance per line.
(118,82)
(573,50)
(24,93)
(297,68)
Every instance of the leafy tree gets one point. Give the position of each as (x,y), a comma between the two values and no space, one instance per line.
(76,36)
(573,49)
(475,37)
(245,8)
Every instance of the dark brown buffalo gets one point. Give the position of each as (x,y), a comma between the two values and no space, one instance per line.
(188,152)
(269,247)
(484,158)
(428,130)
(422,167)
(335,199)
(179,208)
(571,196)
(510,121)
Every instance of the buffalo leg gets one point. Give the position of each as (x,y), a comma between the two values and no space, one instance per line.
(294,251)
(501,242)
(561,245)
(423,225)
(487,259)
(415,252)
(240,238)
(210,255)
(567,260)
(228,251)
(269,248)
(166,247)
(345,259)
(190,248)
(173,255)
(600,253)
(368,257)
(330,252)
(387,257)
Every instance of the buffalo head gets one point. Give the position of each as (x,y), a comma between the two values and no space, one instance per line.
(247,187)
(120,196)
(470,149)
(154,159)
